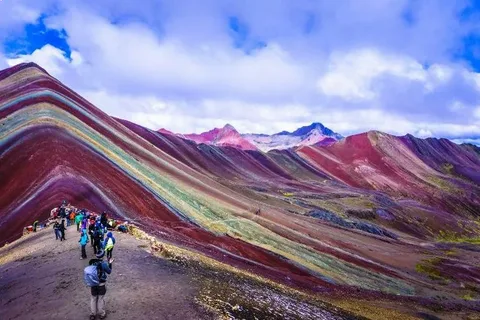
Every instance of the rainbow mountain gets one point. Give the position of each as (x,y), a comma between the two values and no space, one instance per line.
(366,214)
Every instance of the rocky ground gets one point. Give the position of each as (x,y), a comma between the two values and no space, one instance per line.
(42,278)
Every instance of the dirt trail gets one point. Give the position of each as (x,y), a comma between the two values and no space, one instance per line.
(42,278)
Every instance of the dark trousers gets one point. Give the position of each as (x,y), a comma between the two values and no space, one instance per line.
(57,234)
(91,239)
(78,227)
(109,253)
(96,246)
(84,253)
(62,235)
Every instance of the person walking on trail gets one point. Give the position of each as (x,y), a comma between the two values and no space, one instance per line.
(83,243)
(91,231)
(62,212)
(78,220)
(56,225)
(97,239)
(95,276)
(62,229)
(108,244)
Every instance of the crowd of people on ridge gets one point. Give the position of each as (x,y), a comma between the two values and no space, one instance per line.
(96,230)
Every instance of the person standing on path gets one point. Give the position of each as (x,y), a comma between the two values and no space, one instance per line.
(97,300)
(108,244)
(78,220)
(104,219)
(56,225)
(83,243)
(91,232)
(62,229)
(97,239)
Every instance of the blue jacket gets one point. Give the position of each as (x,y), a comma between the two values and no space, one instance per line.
(107,268)
(83,238)
(109,235)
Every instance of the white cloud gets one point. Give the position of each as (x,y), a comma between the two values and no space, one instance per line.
(475,141)
(184,74)
(24,14)
(3,62)
(476,113)
(423,133)
(16,13)
(352,75)
(170,65)
(49,57)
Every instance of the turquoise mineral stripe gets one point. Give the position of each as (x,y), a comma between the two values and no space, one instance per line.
(203,213)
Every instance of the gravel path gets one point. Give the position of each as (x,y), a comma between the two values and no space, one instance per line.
(42,278)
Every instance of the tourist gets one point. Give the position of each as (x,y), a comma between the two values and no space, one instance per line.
(97,299)
(62,229)
(108,244)
(83,243)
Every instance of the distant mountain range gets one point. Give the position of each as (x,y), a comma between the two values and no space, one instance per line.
(314,134)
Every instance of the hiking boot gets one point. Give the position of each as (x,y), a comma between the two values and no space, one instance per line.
(92,317)
(103,317)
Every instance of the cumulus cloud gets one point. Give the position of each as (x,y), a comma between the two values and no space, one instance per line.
(350,76)
(355,67)
(49,57)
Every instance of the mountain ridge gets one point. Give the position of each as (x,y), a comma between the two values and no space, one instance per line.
(321,219)
(316,133)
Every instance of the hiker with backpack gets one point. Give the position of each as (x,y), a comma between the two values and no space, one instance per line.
(83,243)
(95,277)
(108,244)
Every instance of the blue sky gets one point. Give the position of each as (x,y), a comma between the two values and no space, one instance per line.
(400,66)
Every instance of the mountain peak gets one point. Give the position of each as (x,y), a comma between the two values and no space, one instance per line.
(305,130)
(228,126)
(22,66)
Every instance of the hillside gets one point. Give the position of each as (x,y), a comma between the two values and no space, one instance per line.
(372,217)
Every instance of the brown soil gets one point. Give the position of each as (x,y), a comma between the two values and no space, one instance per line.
(42,278)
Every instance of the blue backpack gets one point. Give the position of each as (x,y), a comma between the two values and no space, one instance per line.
(92,274)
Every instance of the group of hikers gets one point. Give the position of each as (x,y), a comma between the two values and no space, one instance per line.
(93,229)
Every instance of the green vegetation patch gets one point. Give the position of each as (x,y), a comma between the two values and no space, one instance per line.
(454,237)
(429,267)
